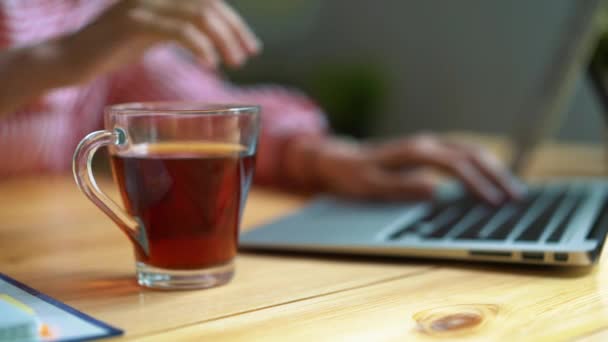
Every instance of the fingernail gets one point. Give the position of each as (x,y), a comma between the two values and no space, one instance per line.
(257,46)
(495,197)
(520,188)
(238,60)
(210,63)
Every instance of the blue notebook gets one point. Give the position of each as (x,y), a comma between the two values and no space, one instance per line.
(28,315)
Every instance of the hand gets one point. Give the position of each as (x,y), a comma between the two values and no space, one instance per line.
(208,28)
(398,170)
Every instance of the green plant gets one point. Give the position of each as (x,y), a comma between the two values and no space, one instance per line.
(350,94)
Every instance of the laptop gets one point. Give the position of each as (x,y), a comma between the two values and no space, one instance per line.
(562,222)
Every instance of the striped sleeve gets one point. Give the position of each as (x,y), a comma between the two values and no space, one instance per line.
(42,135)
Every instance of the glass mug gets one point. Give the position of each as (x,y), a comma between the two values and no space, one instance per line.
(183,171)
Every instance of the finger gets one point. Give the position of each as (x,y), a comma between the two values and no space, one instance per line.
(223,38)
(239,27)
(428,151)
(196,41)
(187,35)
(492,169)
(499,175)
(405,152)
(474,180)
(209,21)
(459,165)
(398,186)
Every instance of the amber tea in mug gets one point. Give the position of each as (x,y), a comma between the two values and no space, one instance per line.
(188,199)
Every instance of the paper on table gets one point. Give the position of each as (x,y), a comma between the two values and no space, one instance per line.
(60,322)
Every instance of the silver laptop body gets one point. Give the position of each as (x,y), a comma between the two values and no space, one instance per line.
(560,223)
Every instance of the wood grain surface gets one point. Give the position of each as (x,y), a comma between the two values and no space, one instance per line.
(53,239)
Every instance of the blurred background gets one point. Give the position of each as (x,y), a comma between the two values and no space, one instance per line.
(388,67)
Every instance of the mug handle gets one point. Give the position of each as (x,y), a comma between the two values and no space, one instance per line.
(83,174)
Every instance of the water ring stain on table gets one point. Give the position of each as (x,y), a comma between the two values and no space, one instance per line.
(454,320)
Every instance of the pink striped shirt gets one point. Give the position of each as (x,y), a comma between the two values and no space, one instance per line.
(42,135)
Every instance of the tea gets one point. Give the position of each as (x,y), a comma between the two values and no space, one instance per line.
(188,197)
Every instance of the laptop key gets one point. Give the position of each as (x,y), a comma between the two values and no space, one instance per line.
(459,212)
(600,225)
(421,226)
(557,234)
(539,224)
(472,232)
(520,209)
(436,211)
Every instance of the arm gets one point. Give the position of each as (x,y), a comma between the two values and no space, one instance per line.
(294,129)
(29,71)
(120,36)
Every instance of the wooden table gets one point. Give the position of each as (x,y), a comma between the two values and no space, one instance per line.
(56,241)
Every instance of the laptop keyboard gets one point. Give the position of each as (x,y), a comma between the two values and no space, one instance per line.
(561,222)
(542,216)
